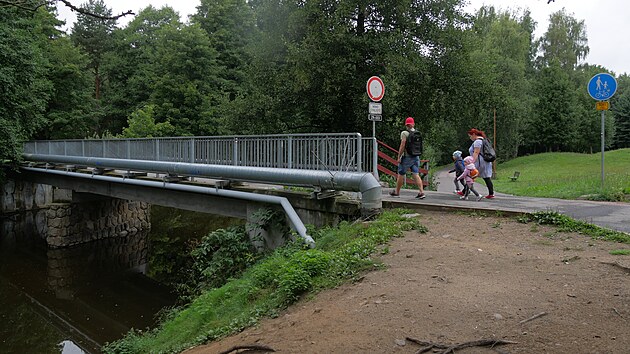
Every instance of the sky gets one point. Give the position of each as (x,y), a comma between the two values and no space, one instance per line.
(606,21)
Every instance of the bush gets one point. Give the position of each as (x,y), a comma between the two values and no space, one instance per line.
(222,254)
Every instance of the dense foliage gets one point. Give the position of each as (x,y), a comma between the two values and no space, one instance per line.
(265,66)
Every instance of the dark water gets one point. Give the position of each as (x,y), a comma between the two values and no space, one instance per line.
(73,300)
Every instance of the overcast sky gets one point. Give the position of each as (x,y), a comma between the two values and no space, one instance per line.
(607,21)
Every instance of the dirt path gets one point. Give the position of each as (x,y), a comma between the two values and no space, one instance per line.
(471,277)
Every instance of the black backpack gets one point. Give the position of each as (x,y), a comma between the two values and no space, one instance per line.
(413,147)
(487,151)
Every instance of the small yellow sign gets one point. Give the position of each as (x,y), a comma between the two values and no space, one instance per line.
(602,105)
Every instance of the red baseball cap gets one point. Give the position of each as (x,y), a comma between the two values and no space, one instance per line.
(409,120)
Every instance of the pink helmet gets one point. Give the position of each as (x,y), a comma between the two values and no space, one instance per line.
(468,160)
(409,121)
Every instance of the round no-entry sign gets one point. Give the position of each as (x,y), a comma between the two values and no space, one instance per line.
(375,88)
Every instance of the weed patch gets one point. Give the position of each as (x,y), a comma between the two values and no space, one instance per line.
(567,224)
(270,285)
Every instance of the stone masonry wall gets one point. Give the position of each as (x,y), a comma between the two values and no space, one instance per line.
(71,224)
(22,196)
(50,213)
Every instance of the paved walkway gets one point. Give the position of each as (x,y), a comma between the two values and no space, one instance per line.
(612,215)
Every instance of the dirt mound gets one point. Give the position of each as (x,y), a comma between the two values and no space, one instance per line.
(471,277)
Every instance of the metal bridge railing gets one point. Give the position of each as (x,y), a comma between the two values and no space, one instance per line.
(333,152)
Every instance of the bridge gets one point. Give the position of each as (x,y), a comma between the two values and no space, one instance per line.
(208,173)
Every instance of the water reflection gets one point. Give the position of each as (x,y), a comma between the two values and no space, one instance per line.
(73,300)
(69,347)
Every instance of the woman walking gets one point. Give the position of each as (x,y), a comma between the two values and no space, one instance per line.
(484,167)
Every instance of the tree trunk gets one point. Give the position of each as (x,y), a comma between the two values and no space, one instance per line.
(361,22)
(97,84)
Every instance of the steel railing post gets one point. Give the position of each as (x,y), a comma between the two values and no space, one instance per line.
(359,152)
(235,152)
(290,151)
(192,150)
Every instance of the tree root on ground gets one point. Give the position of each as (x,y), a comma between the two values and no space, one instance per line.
(248,348)
(426,346)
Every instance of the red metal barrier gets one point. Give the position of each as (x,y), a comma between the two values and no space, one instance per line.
(385,158)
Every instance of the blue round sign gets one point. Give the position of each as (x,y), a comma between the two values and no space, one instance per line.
(602,86)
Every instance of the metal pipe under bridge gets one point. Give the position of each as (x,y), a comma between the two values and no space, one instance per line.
(322,161)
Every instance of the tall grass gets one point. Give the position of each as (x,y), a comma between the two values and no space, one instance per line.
(567,175)
(270,285)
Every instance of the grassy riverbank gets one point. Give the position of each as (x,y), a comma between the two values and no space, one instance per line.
(271,285)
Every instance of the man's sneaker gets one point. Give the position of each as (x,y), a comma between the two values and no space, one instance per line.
(394,194)
(463,198)
(480,197)
(421,196)
(460,192)
(490,196)
(457,191)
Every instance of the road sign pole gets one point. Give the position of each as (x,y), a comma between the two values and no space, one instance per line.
(603,147)
(602,87)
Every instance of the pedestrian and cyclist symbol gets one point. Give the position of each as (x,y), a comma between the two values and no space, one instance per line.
(602,86)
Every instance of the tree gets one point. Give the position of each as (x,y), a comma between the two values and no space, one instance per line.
(24,89)
(68,110)
(504,53)
(552,128)
(141,124)
(187,89)
(230,27)
(565,41)
(621,111)
(314,58)
(93,36)
(34,6)
(131,66)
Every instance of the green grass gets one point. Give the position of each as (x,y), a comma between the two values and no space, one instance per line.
(567,175)
(568,224)
(271,285)
(623,252)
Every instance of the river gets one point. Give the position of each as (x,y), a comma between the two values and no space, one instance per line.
(74,300)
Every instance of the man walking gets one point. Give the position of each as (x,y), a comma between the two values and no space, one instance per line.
(409,157)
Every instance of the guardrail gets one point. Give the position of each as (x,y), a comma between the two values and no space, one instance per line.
(424,165)
(332,152)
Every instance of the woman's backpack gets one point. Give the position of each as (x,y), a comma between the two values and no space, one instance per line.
(487,151)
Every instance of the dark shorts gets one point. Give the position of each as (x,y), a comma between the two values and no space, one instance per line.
(408,162)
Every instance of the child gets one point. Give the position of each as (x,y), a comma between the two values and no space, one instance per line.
(469,175)
(459,169)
